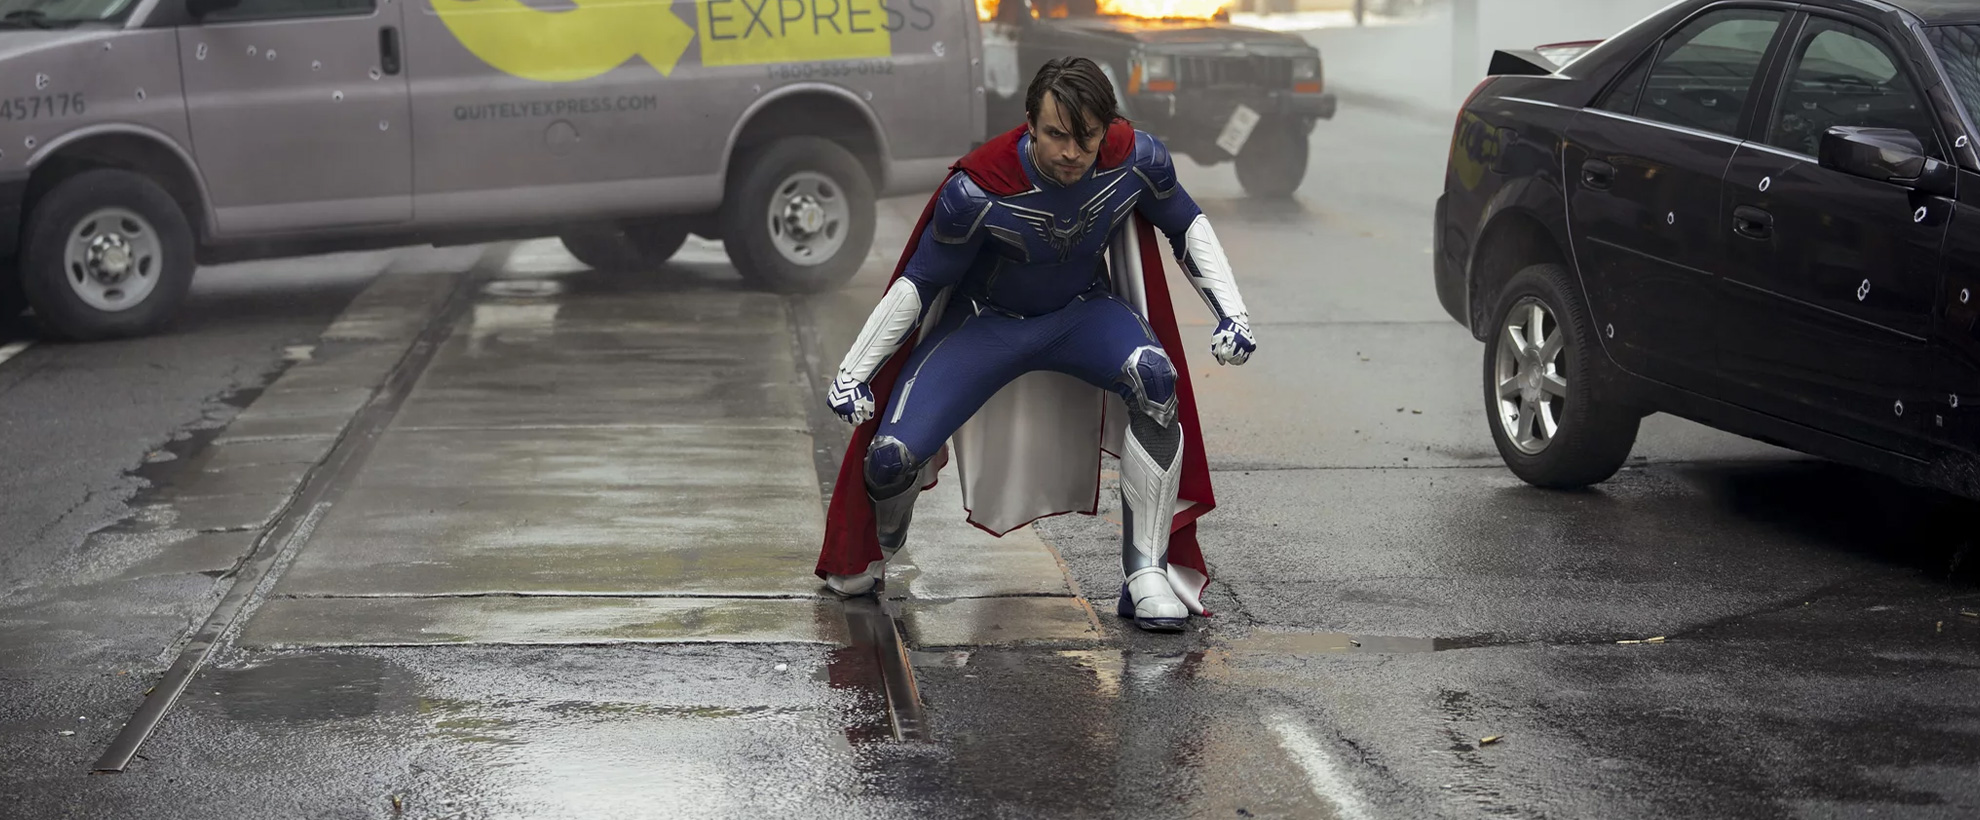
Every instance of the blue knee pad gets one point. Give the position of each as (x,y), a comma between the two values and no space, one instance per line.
(890,467)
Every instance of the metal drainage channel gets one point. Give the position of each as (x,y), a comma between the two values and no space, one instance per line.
(323,485)
(873,622)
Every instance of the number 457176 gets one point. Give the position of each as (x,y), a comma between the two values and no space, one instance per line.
(46,105)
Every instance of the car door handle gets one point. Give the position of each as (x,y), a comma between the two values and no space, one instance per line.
(388,50)
(1752,222)
(1597,174)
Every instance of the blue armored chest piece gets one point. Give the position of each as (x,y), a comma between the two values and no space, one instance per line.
(1051,224)
(1036,250)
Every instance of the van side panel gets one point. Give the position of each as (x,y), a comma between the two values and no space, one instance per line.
(532,113)
(539,111)
(75,87)
(295,125)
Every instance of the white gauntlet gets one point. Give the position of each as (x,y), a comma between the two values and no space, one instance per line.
(886,328)
(1209,271)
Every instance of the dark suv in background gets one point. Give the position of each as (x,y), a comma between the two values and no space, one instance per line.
(1763,216)
(1212,91)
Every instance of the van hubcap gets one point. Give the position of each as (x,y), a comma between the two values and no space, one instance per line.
(1530,375)
(809,218)
(111,260)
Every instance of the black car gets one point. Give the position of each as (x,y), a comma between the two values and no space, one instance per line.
(1212,91)
(1762,216)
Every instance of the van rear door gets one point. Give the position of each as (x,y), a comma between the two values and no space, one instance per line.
(300,116)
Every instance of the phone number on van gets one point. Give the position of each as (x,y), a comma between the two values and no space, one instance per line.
(34,108)
(809,71)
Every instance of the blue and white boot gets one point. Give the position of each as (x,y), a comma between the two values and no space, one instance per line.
(1151,475)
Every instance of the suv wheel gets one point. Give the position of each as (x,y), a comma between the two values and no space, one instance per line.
(625,245)
(1553,424)
(1272,163)
(799,216)
(107,253)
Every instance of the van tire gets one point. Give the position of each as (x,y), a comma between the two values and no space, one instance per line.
(160,240)
(624,246)
(1272,164)
(791,170)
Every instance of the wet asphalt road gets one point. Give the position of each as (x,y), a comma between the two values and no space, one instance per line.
(568,573)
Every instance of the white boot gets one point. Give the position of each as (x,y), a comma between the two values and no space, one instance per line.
(851,586)
(1151,474)
(1147,598)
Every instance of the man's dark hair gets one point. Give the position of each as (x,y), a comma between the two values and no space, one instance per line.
(1080,87)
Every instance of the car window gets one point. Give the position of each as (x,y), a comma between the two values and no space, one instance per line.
(1842,74)
(1623,97)
(1705,71)
(284,9)
(57,13)
(1959,50)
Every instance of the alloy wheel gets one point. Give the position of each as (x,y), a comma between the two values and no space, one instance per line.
(1531,375)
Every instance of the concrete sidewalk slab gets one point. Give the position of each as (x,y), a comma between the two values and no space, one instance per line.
(998,622)
(329,622)
(659,511)
(948,558)
(599,373)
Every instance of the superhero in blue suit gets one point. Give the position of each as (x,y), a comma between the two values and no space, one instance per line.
(1029,290)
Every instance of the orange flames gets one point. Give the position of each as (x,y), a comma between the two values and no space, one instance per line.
(986,10)
(1164,9)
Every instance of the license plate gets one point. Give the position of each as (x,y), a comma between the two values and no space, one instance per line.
(1237,129)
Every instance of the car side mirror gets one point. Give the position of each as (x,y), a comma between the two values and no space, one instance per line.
(1891,155)
(199,9)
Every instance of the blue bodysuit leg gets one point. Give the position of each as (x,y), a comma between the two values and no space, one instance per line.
(970,356)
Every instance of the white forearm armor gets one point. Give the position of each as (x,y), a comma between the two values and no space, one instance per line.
(1209,271)
(886,328)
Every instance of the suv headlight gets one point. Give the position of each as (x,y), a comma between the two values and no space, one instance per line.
(1306,77)
(1153,72)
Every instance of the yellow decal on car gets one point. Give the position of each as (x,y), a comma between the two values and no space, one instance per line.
(756,32)
(566,46)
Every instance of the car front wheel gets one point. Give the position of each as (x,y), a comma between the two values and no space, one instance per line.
(108,254)
(1554,425)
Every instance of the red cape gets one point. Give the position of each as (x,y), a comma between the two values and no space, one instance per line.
(851,542)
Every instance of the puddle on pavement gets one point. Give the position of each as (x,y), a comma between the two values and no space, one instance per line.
(1342,643)
(311,687)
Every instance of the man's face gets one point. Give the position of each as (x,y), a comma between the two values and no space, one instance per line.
(1053,148)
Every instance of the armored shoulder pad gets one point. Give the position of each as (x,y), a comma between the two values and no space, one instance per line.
(959,209)
(1152,162)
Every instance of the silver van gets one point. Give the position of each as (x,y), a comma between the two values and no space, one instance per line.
(141,137)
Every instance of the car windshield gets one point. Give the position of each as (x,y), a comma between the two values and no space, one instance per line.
(1959,50)
(15,14)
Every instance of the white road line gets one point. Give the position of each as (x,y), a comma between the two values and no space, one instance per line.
(14,349)
(1322,773)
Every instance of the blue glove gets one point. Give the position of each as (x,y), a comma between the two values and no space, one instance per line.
(1232,343)
(851,399)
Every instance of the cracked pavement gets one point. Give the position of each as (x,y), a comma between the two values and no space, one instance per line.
(572,577)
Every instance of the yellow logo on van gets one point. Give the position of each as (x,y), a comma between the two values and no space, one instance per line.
(754,32)
(601,35)
(565,46)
